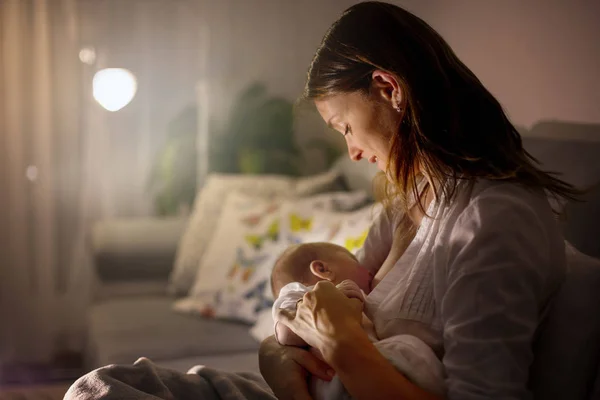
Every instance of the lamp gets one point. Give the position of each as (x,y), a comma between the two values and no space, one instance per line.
(114,88)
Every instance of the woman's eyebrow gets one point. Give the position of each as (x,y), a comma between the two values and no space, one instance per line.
(329,123)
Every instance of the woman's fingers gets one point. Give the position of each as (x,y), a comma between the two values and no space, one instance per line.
(281,371)
(285,317)
(324,285)
(357,304)
(313,365)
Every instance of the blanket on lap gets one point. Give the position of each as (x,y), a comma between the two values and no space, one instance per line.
(146,380)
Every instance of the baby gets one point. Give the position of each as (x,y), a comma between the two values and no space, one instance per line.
(302,266)
(295,273)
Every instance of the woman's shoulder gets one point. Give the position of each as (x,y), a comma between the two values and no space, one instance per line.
(504,208)
(505,194)
(483,187)
(504,224)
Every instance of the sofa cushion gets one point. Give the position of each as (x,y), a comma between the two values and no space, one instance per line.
(207,210)
(135,249)
(566,150)
(567,351)
(567,147)
(581,222)
(125,329)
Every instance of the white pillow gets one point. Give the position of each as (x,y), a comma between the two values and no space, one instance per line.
(348,229)
(316,218)
(355,226)
(247,226)
(205,216)
(233,278)
(263,328)
(239,299)
(209,205)
(330,181)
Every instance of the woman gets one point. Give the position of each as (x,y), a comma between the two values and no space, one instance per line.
(475,279)
(467,255)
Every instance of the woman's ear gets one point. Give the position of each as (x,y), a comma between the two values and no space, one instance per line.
(321,270)
(387,87)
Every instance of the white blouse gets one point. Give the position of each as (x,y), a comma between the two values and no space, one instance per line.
(473,284)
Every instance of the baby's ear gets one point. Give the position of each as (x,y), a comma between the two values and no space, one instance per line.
(321,270)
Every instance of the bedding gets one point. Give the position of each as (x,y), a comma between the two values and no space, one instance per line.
(145,380)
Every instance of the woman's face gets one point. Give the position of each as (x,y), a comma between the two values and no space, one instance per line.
(367,122)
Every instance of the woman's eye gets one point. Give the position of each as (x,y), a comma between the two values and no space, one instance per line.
(347,130)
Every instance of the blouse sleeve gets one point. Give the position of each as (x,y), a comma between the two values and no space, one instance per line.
(501,266)
(378,243)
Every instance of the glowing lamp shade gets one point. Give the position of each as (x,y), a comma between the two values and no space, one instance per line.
(114,88)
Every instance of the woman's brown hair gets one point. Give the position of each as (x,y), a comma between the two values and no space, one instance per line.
(452,126)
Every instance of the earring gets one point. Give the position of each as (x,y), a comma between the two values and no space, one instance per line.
(398,108)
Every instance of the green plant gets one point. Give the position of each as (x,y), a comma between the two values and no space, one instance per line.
(258,138)
(173,175)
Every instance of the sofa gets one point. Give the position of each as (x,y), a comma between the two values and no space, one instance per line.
(132,314)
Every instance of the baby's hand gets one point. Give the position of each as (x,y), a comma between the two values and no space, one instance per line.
(351,290)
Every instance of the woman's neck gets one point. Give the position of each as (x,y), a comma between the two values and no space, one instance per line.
(419,209)
(405,233)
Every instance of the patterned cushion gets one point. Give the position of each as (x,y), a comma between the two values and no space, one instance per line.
(209,205)
(206,212)
(233,276)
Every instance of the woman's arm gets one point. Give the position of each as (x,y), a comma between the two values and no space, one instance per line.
(505,259)
(367,375)
(331,323)
(286,368)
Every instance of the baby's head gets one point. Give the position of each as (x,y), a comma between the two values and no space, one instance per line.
(310,263)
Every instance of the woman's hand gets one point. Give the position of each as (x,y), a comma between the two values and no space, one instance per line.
(285,368)
(324,318)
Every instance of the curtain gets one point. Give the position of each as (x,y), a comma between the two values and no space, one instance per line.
(65,162)
(157,40)
(40,174)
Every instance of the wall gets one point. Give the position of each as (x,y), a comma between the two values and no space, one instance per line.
(540,58)
(268,40)
(158,41)
(272,41)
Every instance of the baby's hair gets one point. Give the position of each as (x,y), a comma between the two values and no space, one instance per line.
(296,260)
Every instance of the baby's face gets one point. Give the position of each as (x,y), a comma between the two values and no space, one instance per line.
(345,266)
(334,264)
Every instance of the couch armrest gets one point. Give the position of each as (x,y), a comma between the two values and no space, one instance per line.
(118,289)
(136,249)
(579,229)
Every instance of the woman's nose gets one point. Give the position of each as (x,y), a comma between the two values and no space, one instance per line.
(354,152)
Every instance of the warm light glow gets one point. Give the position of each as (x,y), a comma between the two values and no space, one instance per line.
(32,173)
(114,88)
(87,55)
